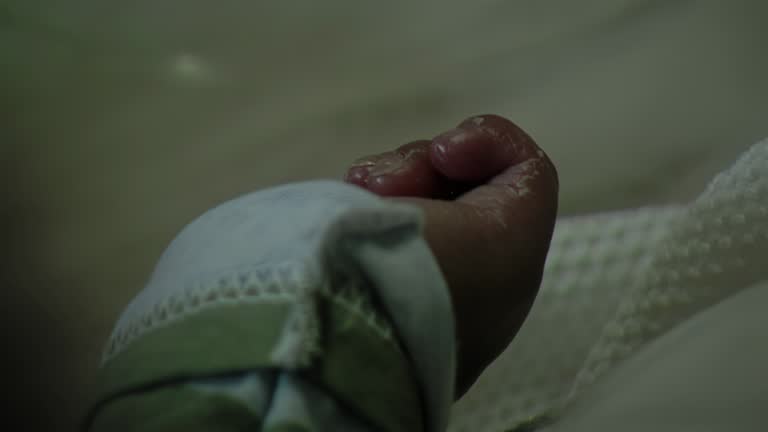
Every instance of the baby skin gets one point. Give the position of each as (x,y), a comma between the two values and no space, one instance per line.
(489,197)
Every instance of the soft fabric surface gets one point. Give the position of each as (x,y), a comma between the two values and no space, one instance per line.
(616,281)
(708,374)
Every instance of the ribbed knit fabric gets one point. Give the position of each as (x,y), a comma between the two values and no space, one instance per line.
(616,281)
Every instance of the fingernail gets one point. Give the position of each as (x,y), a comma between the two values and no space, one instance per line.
(387,165)
(358,174)
(443,143)
(363,162)
(375,169)
(451,137)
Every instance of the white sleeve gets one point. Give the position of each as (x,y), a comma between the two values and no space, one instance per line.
(301,247)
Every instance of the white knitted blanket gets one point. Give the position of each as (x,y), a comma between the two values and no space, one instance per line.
(614,282)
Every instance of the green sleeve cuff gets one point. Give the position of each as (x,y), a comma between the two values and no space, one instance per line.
(361,367)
